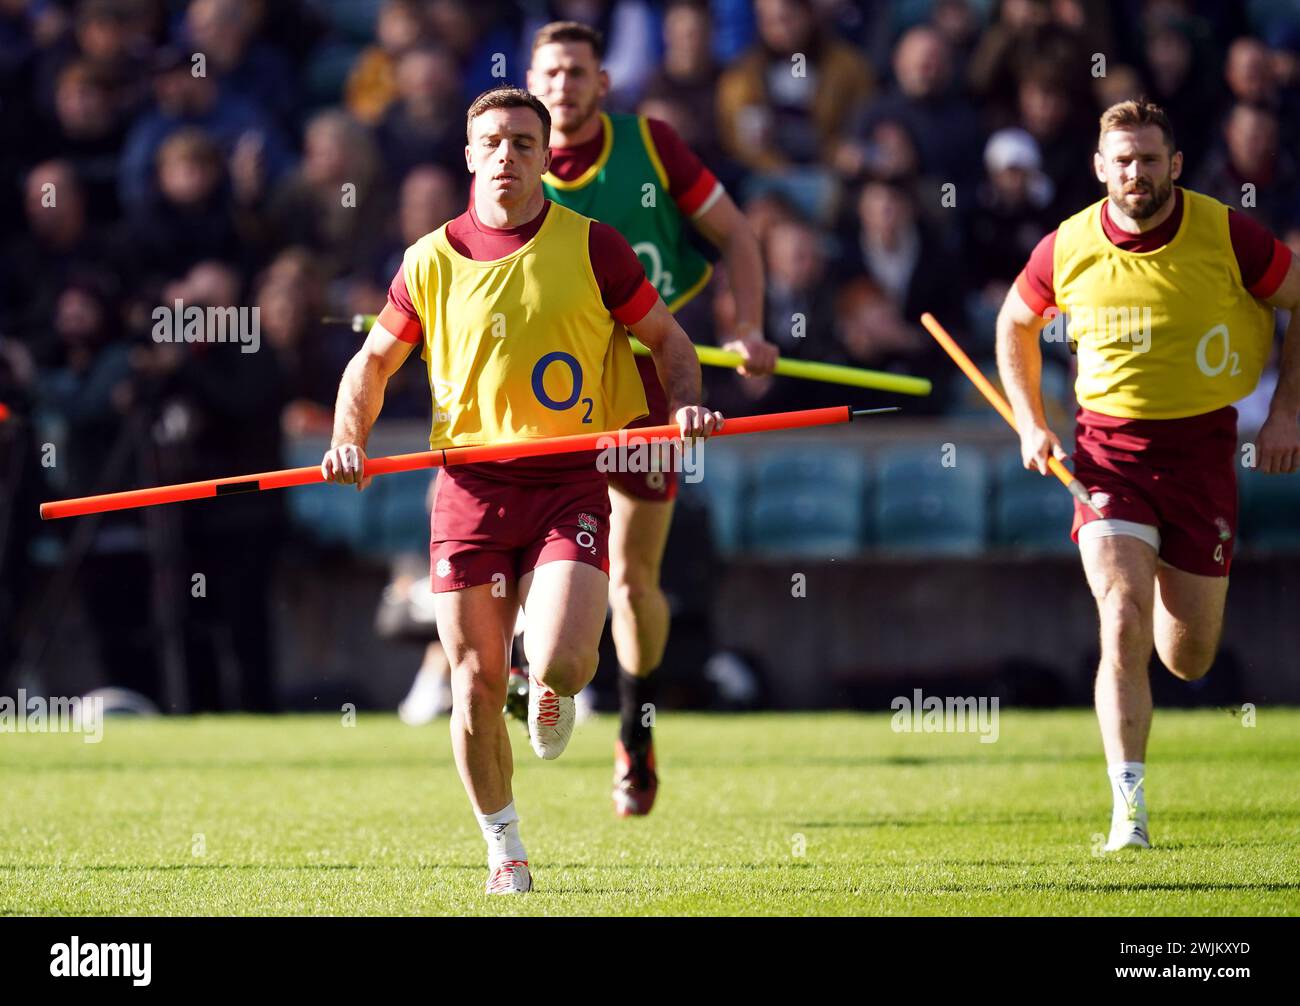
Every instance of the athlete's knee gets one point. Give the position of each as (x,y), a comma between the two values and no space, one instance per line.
(1191,662)
(1125,623)
(634,585)
(566,670)
(478,696)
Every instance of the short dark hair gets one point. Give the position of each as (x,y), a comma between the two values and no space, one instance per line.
(508,97)
(1135,114)
(570,31)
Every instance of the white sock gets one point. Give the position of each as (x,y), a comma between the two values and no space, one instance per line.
(501,831)
(1127,784)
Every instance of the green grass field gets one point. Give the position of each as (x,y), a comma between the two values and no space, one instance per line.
(770,814)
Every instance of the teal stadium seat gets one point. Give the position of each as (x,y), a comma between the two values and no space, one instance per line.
(398,519)
(834,469)
(924,507)
(1030,511)
(1270,512)
(807,521)
(330,515)
(722,488)
(810,500)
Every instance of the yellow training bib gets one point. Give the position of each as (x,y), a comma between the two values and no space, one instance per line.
(521,346)
(1162,334)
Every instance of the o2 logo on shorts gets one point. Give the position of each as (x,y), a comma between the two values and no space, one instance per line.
(575,369)
(1225,532)
(586,536)
(443,568)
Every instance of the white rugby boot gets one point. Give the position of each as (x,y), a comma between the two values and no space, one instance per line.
(1128,821)
(550,720)
(510,877)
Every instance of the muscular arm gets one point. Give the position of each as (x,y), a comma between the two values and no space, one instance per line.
(726,227)
(674,356)
(361,396)
(1279,438)
(1020,367)
(678,368)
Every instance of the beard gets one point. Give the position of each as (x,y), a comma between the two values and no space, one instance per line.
(576,118)
(1141,202)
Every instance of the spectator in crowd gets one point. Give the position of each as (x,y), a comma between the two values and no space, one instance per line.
(943,125)
(688,79)
(959,24)
(1121,82)
(1248,72)
(291,298)
(481,42)
(244,64)
(901,256)
(1251,171)
(426,124)
(784,104)
(21,491)
(88,131)
(1065,130)
(1010,216)
(244,132)
(331,202)
(797,312)
(372,83)
(430,196)
(1254,75)
(689,71)
(1023,32)
(1180,86)
(101,452)
(190,218)
(58,242)
(887,151)
(218,409)
(113,37)
(871,332)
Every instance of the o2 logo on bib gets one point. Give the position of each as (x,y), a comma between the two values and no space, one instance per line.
(659,278)
(575,396)
(1227,358)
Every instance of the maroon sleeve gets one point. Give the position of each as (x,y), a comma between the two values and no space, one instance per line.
(1034,284)
(624,288)
(399,315)
(1263,259)
(690,183)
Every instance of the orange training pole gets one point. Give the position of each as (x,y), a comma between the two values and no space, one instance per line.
(1077,489)
(436,459)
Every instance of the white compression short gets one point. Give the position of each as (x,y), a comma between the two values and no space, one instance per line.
(1108,528)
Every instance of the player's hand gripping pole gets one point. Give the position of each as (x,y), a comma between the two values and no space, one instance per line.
(442,458)
(712,356)
(1077,489)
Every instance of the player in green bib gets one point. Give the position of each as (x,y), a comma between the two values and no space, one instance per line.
(637,175)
